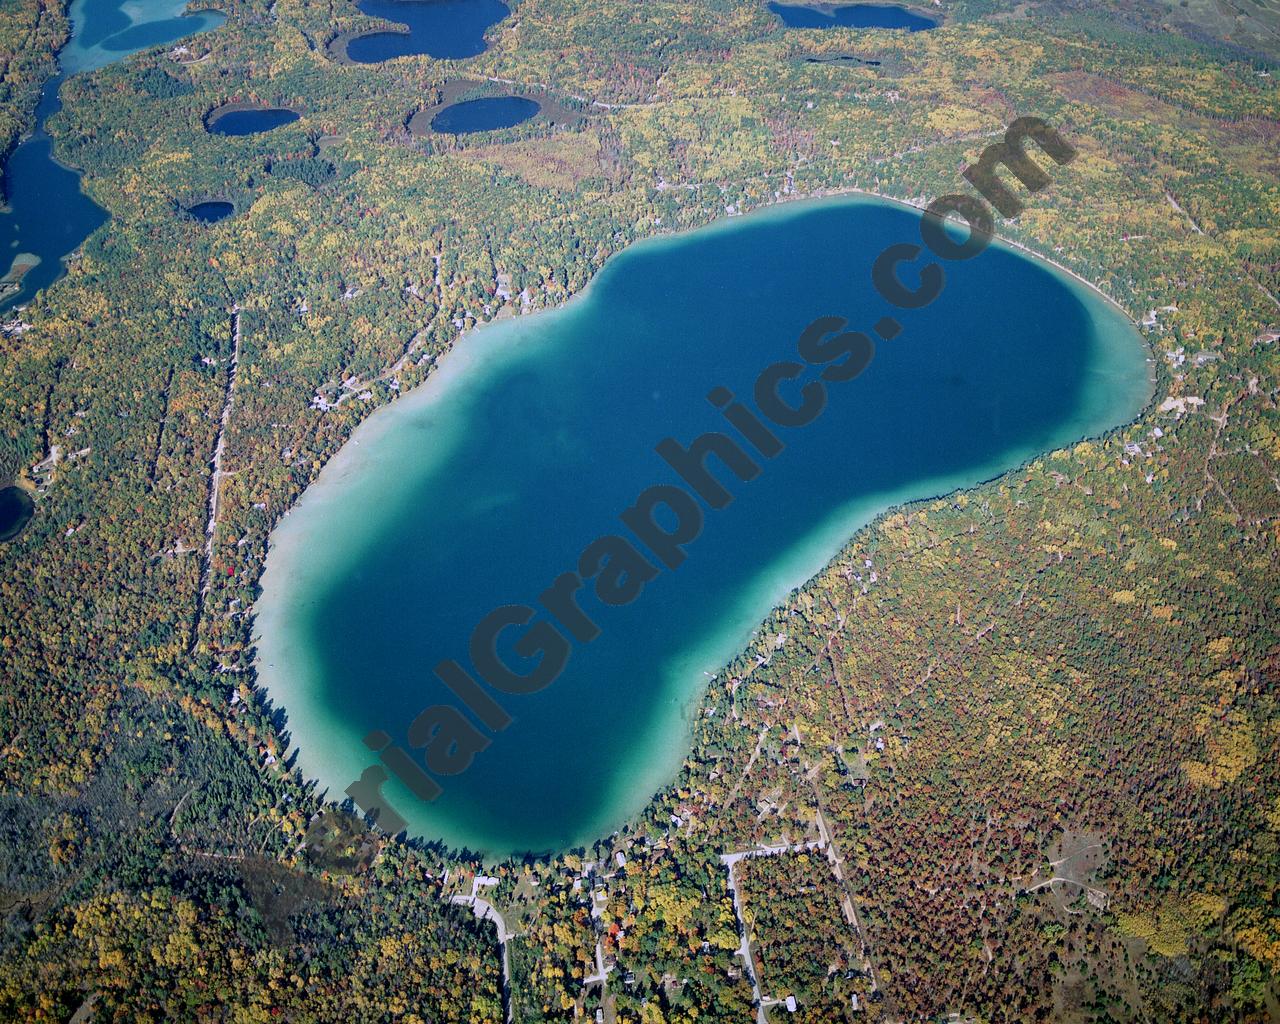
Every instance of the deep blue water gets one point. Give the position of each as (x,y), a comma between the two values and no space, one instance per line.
(212,211)
(853,16)
(16,510)
(449,504)
(251,122)
(447,29)
(484,115)
(49,215)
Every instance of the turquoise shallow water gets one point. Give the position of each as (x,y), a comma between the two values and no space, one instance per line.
(482,486)
(105,31)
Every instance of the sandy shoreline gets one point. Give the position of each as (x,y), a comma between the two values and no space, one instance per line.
(789,574)
(656,757)
(919,207)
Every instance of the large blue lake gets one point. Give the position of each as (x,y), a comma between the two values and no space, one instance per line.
(49,216)
(481,487)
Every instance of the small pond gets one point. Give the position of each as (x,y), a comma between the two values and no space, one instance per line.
(484,115)
(212,211)
(445,29)
(852,16)
(250,121)
(16,510)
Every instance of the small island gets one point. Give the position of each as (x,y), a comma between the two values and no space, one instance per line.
(23,263)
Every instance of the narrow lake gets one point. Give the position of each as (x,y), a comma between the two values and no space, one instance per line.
(484,115)
(852,16)
(479,488)
(445,29)
(49,217)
